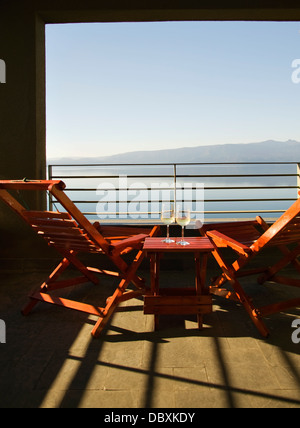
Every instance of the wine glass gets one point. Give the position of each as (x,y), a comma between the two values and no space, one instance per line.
(183,217)
(168,217)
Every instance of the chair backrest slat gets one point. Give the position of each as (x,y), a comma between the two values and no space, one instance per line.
(245,232)
(285,230)
(289,234)
(60,230)
(80,236)
(47,215)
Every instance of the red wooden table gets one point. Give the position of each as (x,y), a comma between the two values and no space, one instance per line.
(178,301)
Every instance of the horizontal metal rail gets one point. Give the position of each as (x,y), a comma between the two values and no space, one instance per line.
(247,184)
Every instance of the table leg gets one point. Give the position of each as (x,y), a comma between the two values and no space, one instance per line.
(200,278)
(155,268)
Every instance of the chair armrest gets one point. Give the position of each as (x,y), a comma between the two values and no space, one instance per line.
(131,242)
(222,240)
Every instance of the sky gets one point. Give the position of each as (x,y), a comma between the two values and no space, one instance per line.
(119,87)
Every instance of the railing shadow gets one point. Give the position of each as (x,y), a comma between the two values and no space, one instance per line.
(152,374)
(32,366)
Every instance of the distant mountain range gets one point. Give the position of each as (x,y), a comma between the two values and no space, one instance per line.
(275,151)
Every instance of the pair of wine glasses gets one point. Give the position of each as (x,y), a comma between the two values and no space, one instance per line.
(181,215)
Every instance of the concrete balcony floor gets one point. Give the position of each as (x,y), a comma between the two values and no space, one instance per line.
(50,360)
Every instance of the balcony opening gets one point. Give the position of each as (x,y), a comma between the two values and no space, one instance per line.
(176,92)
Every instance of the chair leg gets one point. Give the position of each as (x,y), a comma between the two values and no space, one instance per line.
(116,298)
(43,288)
(290,257)
(252,311)
(71,256)
(230,272)
(52,284)
(28,308)
(110,308)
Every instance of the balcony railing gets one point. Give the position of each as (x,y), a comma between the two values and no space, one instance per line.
(120,193)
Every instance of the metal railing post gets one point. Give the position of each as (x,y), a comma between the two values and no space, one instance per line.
(50,203)
(175,186)
(298,180)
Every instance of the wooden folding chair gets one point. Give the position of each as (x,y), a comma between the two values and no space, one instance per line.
(71,233)
(248,239)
